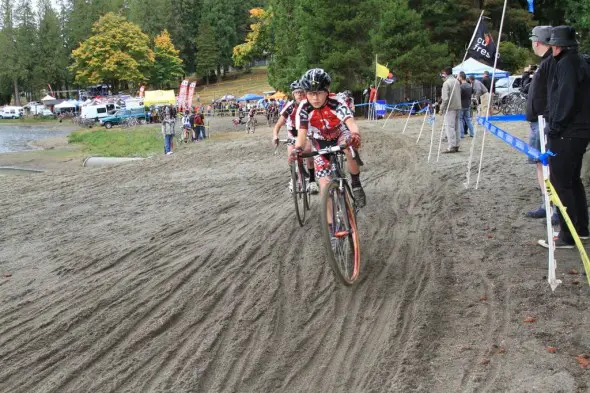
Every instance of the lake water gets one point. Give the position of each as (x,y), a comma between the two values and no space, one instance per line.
(17,137)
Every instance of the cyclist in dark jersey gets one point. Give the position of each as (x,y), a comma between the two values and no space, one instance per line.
(327,122)
(288,117)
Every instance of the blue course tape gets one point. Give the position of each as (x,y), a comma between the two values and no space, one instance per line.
(398,104)
(513,141)
(507,118)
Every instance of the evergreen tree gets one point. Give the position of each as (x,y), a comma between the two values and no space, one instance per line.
(208,53)
(167,67)
(152,16)
(578,14)
(400,40)
(284,65)
(82,14)
(51,59)
(9,67)
(219,15)
(26,36)
(183,27)
(336,38)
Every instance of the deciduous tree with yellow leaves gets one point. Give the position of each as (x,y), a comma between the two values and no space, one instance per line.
(257,41)
(117,52)
(167,68)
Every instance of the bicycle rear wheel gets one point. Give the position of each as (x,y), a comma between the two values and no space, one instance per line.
(299,192)
(341,238)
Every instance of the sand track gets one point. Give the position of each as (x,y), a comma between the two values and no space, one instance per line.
(189,273)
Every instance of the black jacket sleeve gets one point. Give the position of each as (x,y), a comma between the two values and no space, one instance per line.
(563,101)
(526,82)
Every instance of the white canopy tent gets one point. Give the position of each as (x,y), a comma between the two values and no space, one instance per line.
(66,105)
(475,68)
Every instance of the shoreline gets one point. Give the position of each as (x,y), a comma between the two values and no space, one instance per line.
(53,153)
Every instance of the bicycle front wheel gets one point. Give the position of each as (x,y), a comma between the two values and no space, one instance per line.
(340,233)
(299,192)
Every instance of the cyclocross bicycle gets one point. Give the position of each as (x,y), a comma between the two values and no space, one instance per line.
(338,218)
(299,187)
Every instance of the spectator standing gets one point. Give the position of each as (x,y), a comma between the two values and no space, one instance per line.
(481,94)
(372,100)
(568,131)
(465,115)
(450,107)
(537,101)
(487,82)
(168,129)
(199,124)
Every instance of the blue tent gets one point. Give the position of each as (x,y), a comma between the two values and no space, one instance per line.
(250,97)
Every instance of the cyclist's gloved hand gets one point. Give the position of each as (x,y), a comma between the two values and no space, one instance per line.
(275,141)
(355,140)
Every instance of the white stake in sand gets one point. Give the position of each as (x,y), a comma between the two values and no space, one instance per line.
(552,265)
(423,123)
(432,137)
(408,119)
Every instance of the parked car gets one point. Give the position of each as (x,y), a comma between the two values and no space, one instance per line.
(119,116)
(505,86)
(11,112)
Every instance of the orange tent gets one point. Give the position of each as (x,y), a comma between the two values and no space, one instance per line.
(277,96)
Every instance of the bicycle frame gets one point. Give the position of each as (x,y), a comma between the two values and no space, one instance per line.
(335,153)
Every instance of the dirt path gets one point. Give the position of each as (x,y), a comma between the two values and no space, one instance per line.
(188,273)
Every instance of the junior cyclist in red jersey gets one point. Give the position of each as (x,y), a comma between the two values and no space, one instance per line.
(288,117)
(328,122)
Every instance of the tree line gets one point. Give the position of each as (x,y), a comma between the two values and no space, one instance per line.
(37,40)
(158,41)
(416,38)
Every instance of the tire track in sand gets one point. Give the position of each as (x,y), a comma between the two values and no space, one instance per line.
(227,294)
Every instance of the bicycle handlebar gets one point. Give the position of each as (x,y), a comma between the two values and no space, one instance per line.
(327,150)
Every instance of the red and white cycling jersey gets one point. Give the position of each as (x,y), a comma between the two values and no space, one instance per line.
(289,112)
(325,123)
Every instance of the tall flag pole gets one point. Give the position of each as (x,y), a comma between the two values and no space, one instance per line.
(372,106)
(483,140)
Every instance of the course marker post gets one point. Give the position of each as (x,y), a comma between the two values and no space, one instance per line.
(408,119)
(426,116)
(552,264)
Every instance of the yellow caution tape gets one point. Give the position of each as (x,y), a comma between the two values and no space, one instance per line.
(557,202)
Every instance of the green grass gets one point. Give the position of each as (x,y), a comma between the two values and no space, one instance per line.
(29,120)
(133,142)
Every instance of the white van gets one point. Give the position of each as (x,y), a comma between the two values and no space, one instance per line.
(11,112)
(98,111)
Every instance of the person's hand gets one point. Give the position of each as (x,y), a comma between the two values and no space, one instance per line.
(275,141)
(355,140)
(294,154)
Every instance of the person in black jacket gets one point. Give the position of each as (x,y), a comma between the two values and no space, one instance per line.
(569,131)
(537,102)
(527,77)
